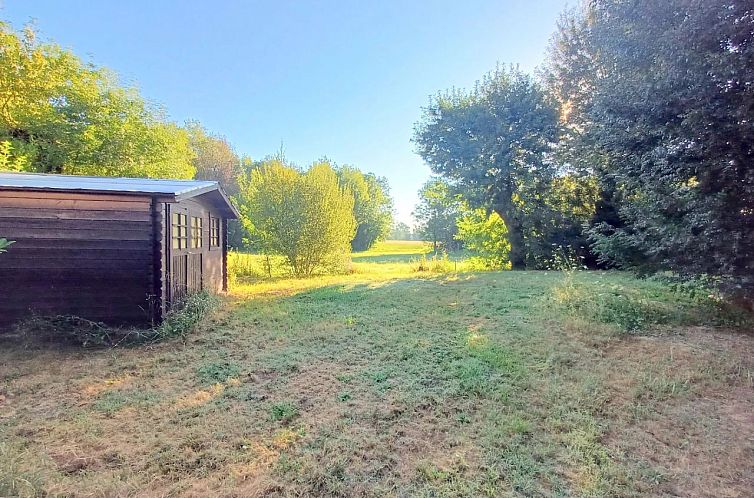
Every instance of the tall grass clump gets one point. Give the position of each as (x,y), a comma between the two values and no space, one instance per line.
(14,481)
(439,263)
(182,320)
(635,305)
(247,266)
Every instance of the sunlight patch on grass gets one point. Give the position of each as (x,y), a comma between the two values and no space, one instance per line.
(200,397)
(95,388)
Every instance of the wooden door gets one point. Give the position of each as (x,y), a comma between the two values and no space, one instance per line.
(194,272)
(178,278)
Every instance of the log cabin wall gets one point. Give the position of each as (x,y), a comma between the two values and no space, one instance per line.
(89,255)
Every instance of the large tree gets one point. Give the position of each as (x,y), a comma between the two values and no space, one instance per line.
(659,98)
(61,115)
(307,217)
(214,158)
(493,143)
(437,214)
(373,206)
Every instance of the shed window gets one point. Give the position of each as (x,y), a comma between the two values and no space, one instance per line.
(180,231)
(214,232)
(196,232)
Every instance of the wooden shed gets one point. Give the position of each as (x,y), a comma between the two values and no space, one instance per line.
(116,250)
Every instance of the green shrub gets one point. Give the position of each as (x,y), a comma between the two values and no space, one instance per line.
(284,412)
(182,319)
(438,263)
(307,217)
(644,304)
(217,371)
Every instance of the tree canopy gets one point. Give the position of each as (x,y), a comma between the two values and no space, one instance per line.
(437,214)
(492,143)
(373,206)
(214,158)
(658,98)
(307,217)
(61,115)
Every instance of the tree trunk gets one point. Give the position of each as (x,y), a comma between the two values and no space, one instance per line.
(515,238)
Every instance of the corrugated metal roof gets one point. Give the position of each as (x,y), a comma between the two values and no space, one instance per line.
(167,190)
(38,181)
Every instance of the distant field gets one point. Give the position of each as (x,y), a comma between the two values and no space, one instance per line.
(394,251)
(390,257)
(398,383)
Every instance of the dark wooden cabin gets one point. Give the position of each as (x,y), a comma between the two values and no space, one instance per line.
(116,250)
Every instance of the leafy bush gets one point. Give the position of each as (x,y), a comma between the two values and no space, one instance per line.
(486,236)
(182,319)
(633,308)
(306,217)
(217,371)
(436,264)
(284,412)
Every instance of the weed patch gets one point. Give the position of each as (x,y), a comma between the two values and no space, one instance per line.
(87,333)
(636,305)
(215,372)
(283,412)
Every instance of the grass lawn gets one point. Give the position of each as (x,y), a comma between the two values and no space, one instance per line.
(390,382)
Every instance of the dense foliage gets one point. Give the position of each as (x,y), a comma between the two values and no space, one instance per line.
(636,150)
(492,143)
(401,231)
(486,236)
(437,214)
(659,98)
(307,217)
(373,206)
(214,158)
(61,115)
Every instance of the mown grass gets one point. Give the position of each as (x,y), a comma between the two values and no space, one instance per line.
(392,382)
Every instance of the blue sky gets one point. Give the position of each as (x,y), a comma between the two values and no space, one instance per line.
(342,79)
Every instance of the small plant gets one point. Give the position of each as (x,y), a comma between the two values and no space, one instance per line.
(110,402)
(4,244)
(344,396)
(181,320)
(283,412)
(217,371)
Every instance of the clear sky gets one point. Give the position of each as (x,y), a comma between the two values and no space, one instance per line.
(342,79)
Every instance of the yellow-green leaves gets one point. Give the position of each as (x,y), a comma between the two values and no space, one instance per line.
(60,114)
(305,216)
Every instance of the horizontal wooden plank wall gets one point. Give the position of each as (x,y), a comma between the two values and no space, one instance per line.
(89,255)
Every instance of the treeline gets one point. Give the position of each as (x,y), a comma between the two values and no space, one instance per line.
(59,114)
(634,144)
